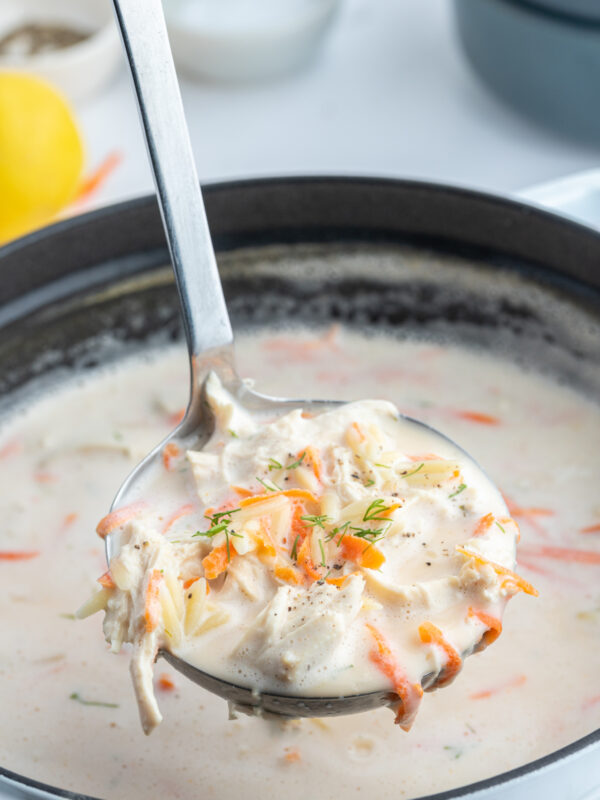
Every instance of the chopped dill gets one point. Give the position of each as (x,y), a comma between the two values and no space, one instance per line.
(219,522)
(460,489)
(298,462)
(342,529)
(232,433)
(500,526)
(294,553)
(322,549)
(414,471)
(274,464)
(369,482)
(316,520)
(376,508)
(76,696)
(272,488)
(385,466)
(67,616)
(369,534)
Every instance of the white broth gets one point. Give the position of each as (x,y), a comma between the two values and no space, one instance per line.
(69,716)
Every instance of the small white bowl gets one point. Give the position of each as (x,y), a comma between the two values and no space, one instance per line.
(81,69)
(245,40)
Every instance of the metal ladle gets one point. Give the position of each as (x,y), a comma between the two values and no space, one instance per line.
(206,322)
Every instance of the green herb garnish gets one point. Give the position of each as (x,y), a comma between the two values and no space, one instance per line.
(500,526)
(369,482)
(274,464)
(294,553)
(376,508)
(67,616)
(317,520)
(232,433)
(79,699)
(272,488)
(460,489)
(219,522)
(342,529)
(298,462)
(370,534)
(414,471)
(321,548)
(385,466)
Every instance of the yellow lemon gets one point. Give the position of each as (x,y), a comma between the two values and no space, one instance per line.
(41,154)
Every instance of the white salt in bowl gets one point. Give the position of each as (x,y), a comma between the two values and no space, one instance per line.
(246,40)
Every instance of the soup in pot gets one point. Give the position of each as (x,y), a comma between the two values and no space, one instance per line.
(69,716)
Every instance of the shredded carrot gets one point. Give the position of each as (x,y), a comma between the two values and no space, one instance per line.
(314,459)
(242,491)
(341,580)
(353,548)
(529,514)
(18,555)
(518,680)
(192,581)
(70,519)
(176,417)
(166,682)
(534,567)
(45,477)
(409,693)
(359,431)
(11,448)
(431,634)
(216,561)
(494,626)
(590,529)
(117,518)
(266,547)
(96,178)
(182,511)
(106,580)
(170,453)
(292,755)
(152,609)
(389,510)
(483,525)
(299,527)
(305,561)
(300,494)
(288,574)
(569,554)
(477,416)
(424,457)
(509,576)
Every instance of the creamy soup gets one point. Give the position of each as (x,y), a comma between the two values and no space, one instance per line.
(69,716)
(326,554)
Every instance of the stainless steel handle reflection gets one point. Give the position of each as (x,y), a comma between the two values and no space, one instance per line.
(146,43)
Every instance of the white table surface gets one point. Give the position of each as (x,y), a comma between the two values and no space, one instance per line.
(390,95)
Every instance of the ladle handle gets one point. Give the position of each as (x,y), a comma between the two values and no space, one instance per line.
(146,43)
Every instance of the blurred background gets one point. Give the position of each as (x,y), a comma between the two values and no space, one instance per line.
(489,94)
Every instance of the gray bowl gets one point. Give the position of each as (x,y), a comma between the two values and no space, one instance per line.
(536,57)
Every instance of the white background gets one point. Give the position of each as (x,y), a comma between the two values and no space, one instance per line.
(389,94)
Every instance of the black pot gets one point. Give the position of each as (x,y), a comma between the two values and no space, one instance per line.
(422,259)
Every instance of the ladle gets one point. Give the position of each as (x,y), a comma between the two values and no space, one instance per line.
(206,322)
